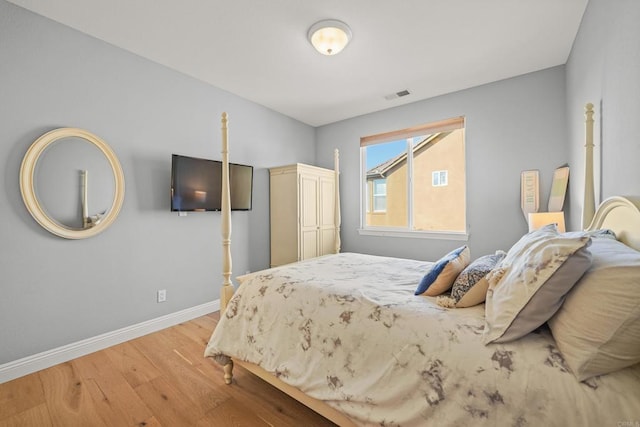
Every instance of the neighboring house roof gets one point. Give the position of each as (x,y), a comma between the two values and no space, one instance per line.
(383,169)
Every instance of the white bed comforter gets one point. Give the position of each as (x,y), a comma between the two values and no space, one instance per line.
(347,329)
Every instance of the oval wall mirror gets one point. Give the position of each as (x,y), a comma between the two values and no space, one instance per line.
(72,183)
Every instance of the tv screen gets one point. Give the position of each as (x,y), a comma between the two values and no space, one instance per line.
(196,185)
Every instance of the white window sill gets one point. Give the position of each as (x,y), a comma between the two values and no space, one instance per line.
(441,235)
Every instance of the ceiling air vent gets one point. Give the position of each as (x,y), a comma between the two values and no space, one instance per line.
(397,95)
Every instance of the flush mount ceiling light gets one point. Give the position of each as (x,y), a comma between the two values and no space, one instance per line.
(329,36)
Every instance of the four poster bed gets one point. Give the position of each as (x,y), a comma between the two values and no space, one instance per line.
(345,335)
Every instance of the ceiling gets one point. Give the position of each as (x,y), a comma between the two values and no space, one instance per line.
(258,49)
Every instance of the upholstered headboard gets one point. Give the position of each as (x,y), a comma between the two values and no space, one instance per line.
(622,215)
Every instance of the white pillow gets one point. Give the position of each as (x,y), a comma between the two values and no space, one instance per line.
(529,285)
(597,330)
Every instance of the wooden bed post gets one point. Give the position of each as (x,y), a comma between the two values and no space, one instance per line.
(336,167)
(226,292)
(589,204)
(227,288)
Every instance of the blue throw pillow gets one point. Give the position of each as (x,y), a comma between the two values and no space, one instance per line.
(442,274)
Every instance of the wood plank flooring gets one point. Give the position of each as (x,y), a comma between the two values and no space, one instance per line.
(161,379)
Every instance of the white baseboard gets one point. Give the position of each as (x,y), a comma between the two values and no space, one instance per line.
(46,359)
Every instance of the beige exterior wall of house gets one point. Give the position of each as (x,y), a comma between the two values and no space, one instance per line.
(435,207)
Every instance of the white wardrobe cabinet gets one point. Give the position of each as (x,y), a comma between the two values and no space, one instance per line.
(302,209)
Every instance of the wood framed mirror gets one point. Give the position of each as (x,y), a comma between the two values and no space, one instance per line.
(59,162)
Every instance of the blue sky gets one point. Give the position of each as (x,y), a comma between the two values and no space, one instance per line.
(379,153)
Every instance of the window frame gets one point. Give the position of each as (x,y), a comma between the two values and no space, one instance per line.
(408,134)
(374,195)
(439,175)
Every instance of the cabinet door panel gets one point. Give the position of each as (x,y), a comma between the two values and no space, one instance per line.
(327,202)
(327,241)
(327,216)
(308,201)
(309,224)
(309,244)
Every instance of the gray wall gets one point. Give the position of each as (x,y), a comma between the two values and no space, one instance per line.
(511,126)
(55,291)
(604,69)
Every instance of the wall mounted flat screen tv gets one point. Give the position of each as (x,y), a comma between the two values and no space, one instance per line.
(196,185)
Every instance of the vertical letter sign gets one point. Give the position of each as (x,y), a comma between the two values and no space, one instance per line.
(529,193)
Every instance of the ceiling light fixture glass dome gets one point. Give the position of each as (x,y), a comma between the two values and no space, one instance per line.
(329,36)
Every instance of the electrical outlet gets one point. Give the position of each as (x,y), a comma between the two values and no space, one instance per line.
(162,295)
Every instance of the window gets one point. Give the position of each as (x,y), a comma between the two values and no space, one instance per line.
(379,195)
(413,180)
(439,178)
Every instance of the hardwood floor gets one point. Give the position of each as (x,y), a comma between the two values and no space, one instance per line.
(161,379)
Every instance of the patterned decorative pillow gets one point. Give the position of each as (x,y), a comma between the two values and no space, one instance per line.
(470,277)
(597,329)
(442,274)
(530,284)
